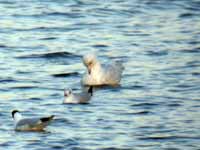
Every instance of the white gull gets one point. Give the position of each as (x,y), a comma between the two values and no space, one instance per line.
(101,74)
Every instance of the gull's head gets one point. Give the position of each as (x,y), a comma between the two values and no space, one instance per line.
(67,93)
(14,112)
(89,61)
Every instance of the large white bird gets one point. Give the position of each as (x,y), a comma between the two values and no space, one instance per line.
(77,98)
(101,74)
(30,124)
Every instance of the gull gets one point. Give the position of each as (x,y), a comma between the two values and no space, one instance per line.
(77,98)
(101,74)
(30,124)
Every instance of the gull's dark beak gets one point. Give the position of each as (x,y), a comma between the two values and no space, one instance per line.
(89,71)
(89,68)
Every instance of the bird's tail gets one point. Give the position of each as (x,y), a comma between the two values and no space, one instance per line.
(47,119)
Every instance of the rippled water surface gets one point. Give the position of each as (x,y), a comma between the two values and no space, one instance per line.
(157,105)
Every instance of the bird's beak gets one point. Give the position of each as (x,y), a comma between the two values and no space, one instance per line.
(89,70)
(65,93)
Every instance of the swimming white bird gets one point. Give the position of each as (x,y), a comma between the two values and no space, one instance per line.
(100,74)
(30,124)
(77,98)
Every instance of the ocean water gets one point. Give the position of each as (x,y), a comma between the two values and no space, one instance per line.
(156,106)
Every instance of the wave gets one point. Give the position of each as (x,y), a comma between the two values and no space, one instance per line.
(114,148)
(7,80)
(168,137)
(24,87)
(195,50)
(66,74)
(52,14)
(3,46)
(138,113)
(158,53)
(49,38)
(50,55)
(100,46)
(144,104)
(188,15)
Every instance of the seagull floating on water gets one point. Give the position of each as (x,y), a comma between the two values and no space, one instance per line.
(30,124)
(78,98)
(101,74)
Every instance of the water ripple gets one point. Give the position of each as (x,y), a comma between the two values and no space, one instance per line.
(49,55)
(74,74)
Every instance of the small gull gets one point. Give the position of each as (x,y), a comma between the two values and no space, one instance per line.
(101,74)
(77,98)
(30,124)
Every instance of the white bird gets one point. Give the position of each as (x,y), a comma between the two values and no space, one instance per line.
(77,98)
(101,74)
(30,124)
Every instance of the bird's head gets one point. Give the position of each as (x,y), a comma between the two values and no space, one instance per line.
(89,61)
(14,112)
(67,92)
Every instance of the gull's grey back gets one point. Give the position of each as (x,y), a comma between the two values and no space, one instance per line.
(28,121)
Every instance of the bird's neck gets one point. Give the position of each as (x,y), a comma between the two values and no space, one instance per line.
(17,117)
(96,67)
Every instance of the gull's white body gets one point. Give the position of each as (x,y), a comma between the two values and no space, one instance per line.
(30,124)
(76,98)
(100,74)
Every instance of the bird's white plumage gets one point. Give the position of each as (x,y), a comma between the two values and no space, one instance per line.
(101,74)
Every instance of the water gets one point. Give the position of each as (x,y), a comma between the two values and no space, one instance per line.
(157,105)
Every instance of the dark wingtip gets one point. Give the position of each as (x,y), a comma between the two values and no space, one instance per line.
(13,112)
(52,116)
(90,90)
(46,119)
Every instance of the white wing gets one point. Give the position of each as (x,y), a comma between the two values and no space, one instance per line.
(111,73)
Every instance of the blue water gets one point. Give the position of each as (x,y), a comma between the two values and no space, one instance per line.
(157,105)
